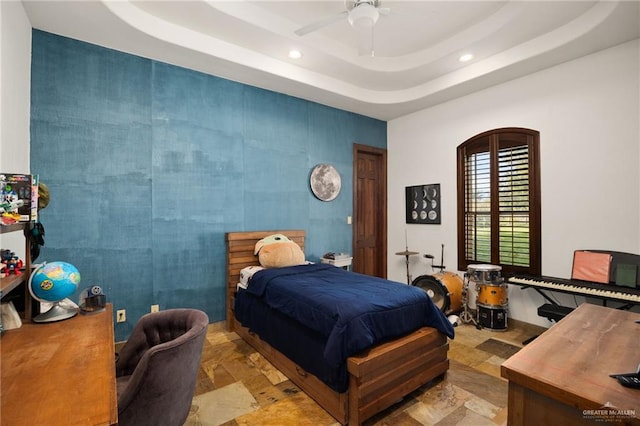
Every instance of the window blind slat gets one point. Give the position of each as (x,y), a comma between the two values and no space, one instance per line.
(513,199)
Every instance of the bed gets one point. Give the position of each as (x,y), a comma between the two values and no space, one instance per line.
(376,377)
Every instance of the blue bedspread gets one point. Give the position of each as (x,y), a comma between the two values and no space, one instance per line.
(352,311)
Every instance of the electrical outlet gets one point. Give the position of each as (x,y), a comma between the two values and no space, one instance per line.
(155,308)
(121,315)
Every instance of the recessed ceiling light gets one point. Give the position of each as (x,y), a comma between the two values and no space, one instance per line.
(466,57)
(295,54)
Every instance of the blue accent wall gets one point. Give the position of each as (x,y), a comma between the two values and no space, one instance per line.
(149,165)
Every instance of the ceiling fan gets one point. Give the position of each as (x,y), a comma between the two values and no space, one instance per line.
(362,15)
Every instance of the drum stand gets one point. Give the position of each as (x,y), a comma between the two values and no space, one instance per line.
(466,317)
(406,253)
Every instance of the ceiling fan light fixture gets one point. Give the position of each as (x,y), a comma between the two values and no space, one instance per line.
(364,16)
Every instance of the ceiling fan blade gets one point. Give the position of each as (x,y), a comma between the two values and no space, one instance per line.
(321,23)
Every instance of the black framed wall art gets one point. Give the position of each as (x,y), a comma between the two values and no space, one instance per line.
(423,204)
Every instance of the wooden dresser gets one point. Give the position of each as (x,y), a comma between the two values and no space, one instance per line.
(60,373)
(562,377)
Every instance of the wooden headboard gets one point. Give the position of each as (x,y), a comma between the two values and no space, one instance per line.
(240,246)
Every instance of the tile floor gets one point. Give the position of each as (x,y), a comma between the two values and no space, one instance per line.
(238,387)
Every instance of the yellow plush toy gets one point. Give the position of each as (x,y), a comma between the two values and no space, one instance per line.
(278,251)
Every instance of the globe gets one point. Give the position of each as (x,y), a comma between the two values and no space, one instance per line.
(53,282)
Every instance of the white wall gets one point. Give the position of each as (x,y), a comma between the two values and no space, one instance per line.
(588,115)
(15,87)
(15,95)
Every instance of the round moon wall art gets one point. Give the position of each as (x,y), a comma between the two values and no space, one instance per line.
(325,182)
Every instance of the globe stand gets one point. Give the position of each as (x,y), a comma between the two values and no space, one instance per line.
(56,313)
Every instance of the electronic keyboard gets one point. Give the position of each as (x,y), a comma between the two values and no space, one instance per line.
(584,288)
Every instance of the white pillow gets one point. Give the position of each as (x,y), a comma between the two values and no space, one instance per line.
(247,273)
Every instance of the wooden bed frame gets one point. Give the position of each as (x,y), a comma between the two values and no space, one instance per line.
(378,377)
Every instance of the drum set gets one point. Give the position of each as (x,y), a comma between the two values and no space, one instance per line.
(492,301)
(450,294)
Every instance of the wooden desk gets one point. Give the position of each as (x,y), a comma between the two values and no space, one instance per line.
(60,373)
(565,371)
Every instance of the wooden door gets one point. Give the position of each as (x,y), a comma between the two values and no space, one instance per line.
(370,210)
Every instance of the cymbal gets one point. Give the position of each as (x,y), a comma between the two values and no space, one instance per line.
(406,253)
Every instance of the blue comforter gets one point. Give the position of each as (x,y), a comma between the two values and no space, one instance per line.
(352,311)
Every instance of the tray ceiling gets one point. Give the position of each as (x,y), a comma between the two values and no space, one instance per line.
(416,45)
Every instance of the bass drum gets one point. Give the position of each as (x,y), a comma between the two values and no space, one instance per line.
(445,290)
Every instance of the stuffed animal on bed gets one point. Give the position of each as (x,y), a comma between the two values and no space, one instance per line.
(278,251)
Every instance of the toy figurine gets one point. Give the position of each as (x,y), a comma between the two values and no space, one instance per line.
(11,263)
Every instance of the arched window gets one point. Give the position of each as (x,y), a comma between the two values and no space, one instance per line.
(499,200)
